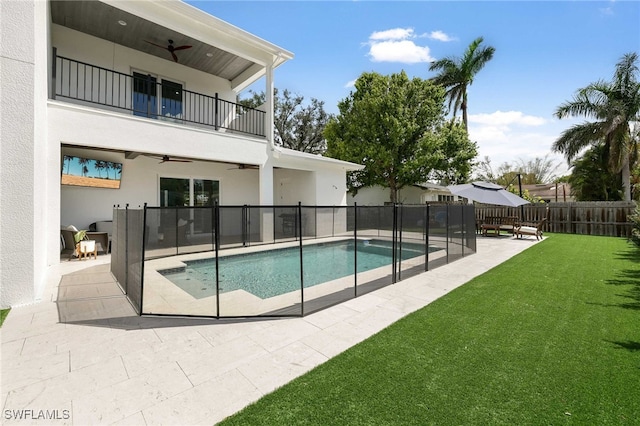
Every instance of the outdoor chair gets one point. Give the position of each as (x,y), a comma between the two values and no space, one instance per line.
(530,229)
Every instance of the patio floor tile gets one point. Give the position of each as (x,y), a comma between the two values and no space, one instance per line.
(90,354)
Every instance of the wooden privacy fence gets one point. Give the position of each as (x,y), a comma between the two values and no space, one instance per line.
(606,218)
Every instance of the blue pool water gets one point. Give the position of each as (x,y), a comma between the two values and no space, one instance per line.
(274,272)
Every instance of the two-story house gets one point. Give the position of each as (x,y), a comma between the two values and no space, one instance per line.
(129,102)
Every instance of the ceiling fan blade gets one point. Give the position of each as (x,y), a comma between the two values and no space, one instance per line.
(182,47)
(175,58)
(157,45)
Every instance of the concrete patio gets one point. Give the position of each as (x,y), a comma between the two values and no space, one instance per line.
(81,356)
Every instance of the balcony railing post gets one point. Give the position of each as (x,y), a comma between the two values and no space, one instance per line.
(215,113)
(148,90)
(54,64)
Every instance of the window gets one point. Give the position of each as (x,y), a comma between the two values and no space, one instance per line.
(445,198)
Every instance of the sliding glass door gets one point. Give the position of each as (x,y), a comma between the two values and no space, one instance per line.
(188,192)
(145,97)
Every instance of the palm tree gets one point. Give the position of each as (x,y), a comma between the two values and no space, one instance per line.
(83,162)
(614,105)
(67,160)
(100,165)
(456,74)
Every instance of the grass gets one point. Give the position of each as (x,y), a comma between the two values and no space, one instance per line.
(3,315)
(551,336)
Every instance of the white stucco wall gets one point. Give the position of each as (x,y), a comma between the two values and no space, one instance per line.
(22,151)
(377,195)
(293,186)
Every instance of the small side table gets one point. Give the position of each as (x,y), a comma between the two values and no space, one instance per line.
(87,248)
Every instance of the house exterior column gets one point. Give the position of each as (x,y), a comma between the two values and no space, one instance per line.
(266,169)
(24,190)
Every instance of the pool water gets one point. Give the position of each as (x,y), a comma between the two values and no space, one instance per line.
(274,272)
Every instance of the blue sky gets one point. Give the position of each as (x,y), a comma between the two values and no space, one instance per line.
(545,51)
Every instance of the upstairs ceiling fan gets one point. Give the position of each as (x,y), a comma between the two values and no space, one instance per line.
(171,48)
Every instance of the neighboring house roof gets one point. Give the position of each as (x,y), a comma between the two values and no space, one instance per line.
(433,187)
(551,192)
(218,47)
(288,156)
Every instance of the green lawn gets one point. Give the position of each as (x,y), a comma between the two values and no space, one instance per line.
(550,337)
(3,315)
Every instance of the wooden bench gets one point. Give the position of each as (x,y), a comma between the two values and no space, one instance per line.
(495,224)
(534,229)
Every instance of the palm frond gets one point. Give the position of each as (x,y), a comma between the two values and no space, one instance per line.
(573,140)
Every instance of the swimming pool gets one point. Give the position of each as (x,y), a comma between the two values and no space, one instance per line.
(274,272)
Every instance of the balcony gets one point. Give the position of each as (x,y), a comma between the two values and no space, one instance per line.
(144,96)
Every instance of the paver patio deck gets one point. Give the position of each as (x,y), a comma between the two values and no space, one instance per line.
(81,356)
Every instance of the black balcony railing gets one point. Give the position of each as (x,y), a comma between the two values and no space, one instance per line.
(145,96)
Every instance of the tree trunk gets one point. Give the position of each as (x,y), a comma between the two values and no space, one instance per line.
(393,194)
(626,180)
(463,107)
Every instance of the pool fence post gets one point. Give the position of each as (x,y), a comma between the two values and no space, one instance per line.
(400,245)
(244,225)
(248,225)
(464,228)
(333,221)
(301,263)
(177,233)
(144,240)
(447,236)
(394,243)
(213,227)
(426,238)
(217,245)
(355,250)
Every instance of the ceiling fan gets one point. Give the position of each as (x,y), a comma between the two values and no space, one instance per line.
(244,167)
(167,159)
(171,48)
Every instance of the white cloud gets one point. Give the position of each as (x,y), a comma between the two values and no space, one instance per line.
(507,137)
(404,51)
(440,36)
(506,118)
(349,84)
(394,45)
(394,34)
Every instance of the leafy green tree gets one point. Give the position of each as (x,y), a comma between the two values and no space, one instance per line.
(457,153)
(457,74)
(389,124)
(591,178)
(614,105)
(297,126)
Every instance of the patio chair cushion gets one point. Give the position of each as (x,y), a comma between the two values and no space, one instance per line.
(528,230)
